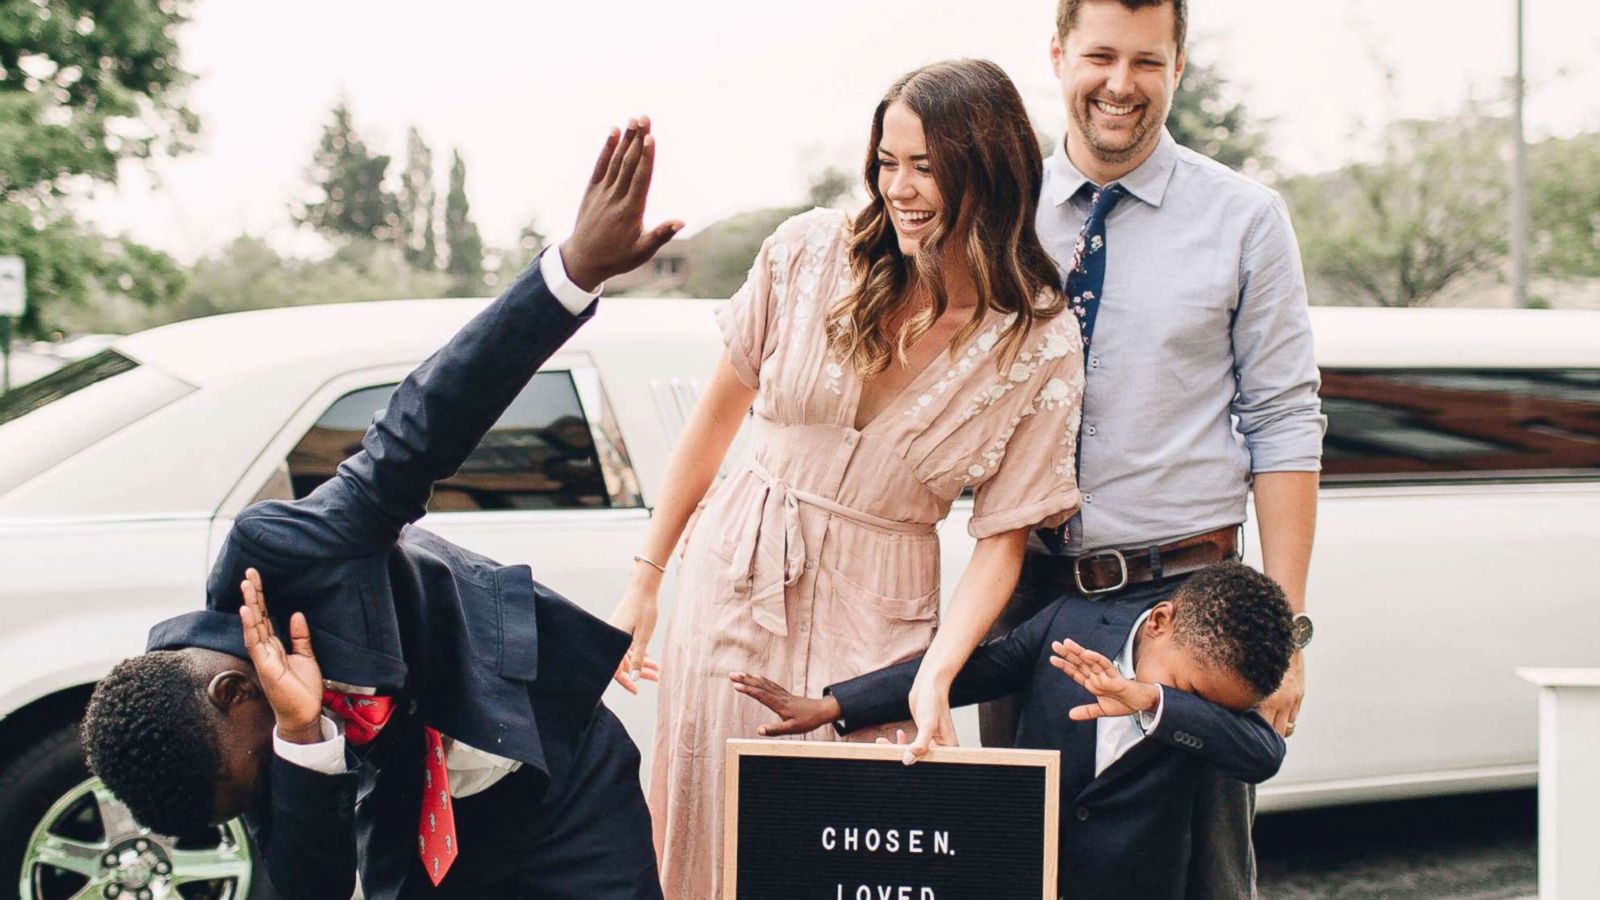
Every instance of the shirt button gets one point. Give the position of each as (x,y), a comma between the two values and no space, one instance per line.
(1083,814)
(850,439)
(1089,430)
(1094,362)
(811,564)
(1088,498)
(805,629)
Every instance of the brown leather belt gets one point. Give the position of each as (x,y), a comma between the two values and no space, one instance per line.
(1106,571)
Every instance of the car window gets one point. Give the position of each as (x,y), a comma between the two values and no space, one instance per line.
(49,420)
(540,455)
(62,383)
(1437,424)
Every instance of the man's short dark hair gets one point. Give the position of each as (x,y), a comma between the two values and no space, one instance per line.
(150,737)
(1236,617)
(1067,15)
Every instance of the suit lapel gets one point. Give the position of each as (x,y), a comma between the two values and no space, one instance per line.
(1103,628)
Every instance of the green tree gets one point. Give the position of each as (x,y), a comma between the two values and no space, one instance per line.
(351,200)
(1397,231)
(1205,118)
(461,236)
(84,85)
(1564,191)
(830,186)
(417,205)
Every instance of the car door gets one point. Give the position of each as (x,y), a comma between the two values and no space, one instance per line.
(1456,538)
(552,485)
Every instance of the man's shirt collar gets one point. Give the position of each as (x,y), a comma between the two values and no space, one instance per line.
(1148,182)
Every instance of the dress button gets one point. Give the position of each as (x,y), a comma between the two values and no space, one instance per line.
(1088,498)
(811,564)
(805,629)
(1083,814)
(1094,362)
(850,439)
(1089,430)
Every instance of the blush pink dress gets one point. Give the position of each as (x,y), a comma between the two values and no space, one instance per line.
(816,560)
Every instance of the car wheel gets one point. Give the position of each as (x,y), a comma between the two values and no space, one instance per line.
(63,836)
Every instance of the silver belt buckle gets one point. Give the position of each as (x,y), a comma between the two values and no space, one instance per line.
(1077,572)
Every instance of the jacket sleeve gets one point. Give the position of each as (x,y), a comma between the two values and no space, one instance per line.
(306,832)
(434,420)
(996,668)
(1240,745)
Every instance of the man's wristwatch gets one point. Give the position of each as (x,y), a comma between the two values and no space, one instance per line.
(1301,630)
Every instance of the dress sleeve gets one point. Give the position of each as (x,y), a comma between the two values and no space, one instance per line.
(749,319)
(1035,482)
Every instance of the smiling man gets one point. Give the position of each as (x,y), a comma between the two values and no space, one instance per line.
(1201,381)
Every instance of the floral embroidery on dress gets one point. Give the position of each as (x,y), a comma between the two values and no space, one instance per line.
(984,343)
(1056,343)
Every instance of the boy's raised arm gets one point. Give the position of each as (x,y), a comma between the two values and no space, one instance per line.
(442,410)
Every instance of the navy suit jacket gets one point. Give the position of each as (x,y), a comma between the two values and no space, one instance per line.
(1124,833)
(477,650)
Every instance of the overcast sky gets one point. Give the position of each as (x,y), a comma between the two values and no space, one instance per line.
(751,97)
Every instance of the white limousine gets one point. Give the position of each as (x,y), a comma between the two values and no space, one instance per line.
(1458,535)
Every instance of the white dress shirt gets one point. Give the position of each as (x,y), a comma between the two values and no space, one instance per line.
(1116,735)
(471,770)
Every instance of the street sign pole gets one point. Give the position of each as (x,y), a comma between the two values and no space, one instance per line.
(13,302)
(5,350)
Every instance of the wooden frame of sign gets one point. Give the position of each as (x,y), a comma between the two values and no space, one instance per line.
(739,750)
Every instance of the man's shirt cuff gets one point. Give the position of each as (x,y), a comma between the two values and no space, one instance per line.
(326,757)
(1148,719)
(554,270)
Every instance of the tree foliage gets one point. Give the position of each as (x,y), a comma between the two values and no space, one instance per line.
(1564,206)
(85,85)
(418,205)
(350,200)
(1205,117)
(461,234)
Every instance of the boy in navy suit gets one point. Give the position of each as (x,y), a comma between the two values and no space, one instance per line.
(1141,703)
(446,736)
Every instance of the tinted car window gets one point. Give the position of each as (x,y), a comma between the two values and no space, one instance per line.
(1429,425)
(63,382)
(540,455)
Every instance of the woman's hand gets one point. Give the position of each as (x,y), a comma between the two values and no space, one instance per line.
(797,715)
(930,710)
(636,615)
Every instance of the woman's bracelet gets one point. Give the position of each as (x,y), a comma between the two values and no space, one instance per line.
(651,563)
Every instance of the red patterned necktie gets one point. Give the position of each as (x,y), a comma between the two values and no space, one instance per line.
(364,718)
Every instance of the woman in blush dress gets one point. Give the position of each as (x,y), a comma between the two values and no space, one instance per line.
(892,361)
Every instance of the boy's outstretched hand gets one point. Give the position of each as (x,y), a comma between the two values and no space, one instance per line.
(609,238)
(1117,695)
(798,715)
(292,681)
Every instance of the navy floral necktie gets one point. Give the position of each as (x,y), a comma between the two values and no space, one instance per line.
(1087,278)
(1085,281)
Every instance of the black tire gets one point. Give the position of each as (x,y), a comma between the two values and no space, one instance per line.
(32,781)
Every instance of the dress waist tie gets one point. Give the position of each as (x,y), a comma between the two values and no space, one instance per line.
(772,555)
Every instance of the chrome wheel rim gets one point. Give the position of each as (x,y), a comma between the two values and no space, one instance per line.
(88,847)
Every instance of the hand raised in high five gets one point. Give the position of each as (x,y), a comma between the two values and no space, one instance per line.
(292,681)
(796,715)
(609,238)
(1115,693)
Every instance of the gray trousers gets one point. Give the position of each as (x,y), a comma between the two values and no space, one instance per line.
(1223,861)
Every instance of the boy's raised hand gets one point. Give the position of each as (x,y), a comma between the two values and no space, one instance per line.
(609,237)
(291,681)
(1116,694)
(797,715)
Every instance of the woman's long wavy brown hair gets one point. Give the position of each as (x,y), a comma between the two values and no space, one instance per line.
(986,163)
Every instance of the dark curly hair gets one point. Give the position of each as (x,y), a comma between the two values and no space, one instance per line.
(149,736)
(1236,617)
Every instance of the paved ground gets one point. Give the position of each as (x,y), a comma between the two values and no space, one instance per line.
(1479,847)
